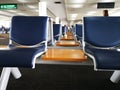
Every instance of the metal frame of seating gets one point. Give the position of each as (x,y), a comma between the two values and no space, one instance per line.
(30,36)
(50,32)
(101,42)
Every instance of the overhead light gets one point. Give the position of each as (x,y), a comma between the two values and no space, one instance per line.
(23,0)
(31,6)
(91,13)
(6,13)
(74,5)
(72,19)
(12,11)
(76,1)
(73,15)
(20,13)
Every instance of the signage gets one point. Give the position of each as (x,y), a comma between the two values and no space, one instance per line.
(8,6)
(105,5)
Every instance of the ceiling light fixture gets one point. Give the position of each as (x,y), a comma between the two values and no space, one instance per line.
(76,1)
(74,5)
(23,1)
(31,6)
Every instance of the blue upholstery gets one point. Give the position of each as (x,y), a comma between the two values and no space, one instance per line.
(66,28)
(63,30)
(28,31)
(101,33)
(56,31)
(104,58)
(19,57)
(31,33)
(79,31)
(73,29)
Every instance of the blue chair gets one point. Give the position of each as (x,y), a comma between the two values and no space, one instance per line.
(56,31)
(101,43)
(73,30)
(29,34)
(63,30)
(79,32)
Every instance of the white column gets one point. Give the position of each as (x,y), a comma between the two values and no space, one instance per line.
(51,28)
(43,12)
(57,20)
(42,9)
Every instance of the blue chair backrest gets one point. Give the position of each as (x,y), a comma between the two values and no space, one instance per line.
(79,30)
(63,30)
(102,31)
(56,30)
(22,29)
(66,28)
(73,29)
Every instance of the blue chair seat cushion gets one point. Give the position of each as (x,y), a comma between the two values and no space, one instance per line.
(105,58)
(19,57)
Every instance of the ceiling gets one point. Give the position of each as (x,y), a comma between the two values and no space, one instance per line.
(71,11)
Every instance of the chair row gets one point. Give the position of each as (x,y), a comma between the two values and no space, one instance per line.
(101,41)
(59,31)
(30,34)
(101,38)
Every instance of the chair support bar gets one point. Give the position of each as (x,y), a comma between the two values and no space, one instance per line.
(115,76)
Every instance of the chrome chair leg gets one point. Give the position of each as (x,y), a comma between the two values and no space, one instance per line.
(4,78)
(115,76)
(16,73)
(6,74)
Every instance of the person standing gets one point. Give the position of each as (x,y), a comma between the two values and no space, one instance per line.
(105,13)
